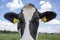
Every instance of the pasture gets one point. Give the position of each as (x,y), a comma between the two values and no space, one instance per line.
(15,36)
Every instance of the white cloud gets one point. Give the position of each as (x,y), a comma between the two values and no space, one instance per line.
(15,4)
(54,22)
(7,26)
(45,6)
(52,26)
(58,29)
(42,2)
(49,29)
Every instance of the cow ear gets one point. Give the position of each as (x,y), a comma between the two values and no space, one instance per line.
(12,17)
(47,16)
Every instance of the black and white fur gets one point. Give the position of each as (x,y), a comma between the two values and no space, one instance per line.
(29,20)
(28,12)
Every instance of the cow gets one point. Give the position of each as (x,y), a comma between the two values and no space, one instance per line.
(28,20)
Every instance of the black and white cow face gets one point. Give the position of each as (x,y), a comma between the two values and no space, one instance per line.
(28,20)
(31,26)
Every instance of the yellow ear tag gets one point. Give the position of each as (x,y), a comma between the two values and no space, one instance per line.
(15,20)
(44,19)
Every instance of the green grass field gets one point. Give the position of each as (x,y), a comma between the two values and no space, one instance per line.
(15,36)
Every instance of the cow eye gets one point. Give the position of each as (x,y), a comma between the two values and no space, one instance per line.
(35,20)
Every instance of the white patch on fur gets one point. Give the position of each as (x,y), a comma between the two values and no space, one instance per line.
(28,13)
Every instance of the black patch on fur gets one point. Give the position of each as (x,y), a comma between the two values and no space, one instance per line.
(10,16)
(48,14)
(21,23)
(33,26)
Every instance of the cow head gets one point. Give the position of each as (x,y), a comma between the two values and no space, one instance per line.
(28,20)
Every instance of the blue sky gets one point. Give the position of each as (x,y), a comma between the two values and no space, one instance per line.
(41,5)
